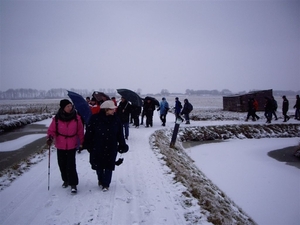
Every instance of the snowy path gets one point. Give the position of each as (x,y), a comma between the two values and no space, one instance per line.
(142,189)
(139,192)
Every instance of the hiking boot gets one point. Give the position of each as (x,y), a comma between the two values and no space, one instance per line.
(65,184)
(104,189)
(73,189)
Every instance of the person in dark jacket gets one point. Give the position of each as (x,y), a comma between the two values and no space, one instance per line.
(178,107)
(250,109)
(143,113)
(187,109)
(148,108)
(268,109)
(297,108)
(135,114)
(103,139)
(274,104)
(123,111)
(285,108)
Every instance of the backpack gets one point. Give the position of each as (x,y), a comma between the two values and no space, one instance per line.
(190,107)
(179,104)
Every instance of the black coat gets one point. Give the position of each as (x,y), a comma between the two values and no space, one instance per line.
(187,107)
(268,105)
(123,111)
(285,105)
(103,136)
(148,108)
(135,110)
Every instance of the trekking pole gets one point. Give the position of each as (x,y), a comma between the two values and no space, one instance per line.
(49,168)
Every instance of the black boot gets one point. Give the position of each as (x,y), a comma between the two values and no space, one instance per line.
(73,189)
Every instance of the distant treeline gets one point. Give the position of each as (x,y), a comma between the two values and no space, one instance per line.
(57,93)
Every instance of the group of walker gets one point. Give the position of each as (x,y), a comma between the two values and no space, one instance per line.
(103,139)
(105,135)
(270,108)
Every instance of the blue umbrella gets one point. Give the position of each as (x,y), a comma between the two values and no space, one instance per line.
(81,106)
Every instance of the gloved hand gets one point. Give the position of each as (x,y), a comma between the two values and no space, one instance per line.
(123,148)
(80,149)
(49,141)
(119,161)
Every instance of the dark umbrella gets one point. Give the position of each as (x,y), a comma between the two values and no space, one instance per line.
(156,102)
(131,96)
(100,96)
(81,106)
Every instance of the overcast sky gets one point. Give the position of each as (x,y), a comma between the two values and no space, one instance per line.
(150,45)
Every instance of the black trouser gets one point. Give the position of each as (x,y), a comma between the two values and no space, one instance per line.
(136,121)
(286,117)
(163,118)
(67,164)
(274,113)
(250,113)
(149,120)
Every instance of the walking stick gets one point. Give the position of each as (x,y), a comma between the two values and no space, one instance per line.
(49,168)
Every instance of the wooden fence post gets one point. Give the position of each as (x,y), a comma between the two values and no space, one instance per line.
(179,120)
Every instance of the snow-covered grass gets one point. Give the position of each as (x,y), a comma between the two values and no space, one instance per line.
(10,122)
(199,186)
(26,106)
(157,184)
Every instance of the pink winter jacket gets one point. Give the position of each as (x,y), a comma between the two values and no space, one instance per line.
(69,134)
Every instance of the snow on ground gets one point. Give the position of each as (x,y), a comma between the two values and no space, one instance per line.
(268,190)
(143,190)
(22,141)
(140,192)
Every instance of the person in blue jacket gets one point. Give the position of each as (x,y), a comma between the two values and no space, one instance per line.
(163,110)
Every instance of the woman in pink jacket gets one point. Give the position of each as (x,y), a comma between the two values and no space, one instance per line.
(66,129)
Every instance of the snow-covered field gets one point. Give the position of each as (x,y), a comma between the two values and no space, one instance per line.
(217,183)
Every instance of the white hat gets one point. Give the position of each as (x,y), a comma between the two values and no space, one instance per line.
(109,104)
